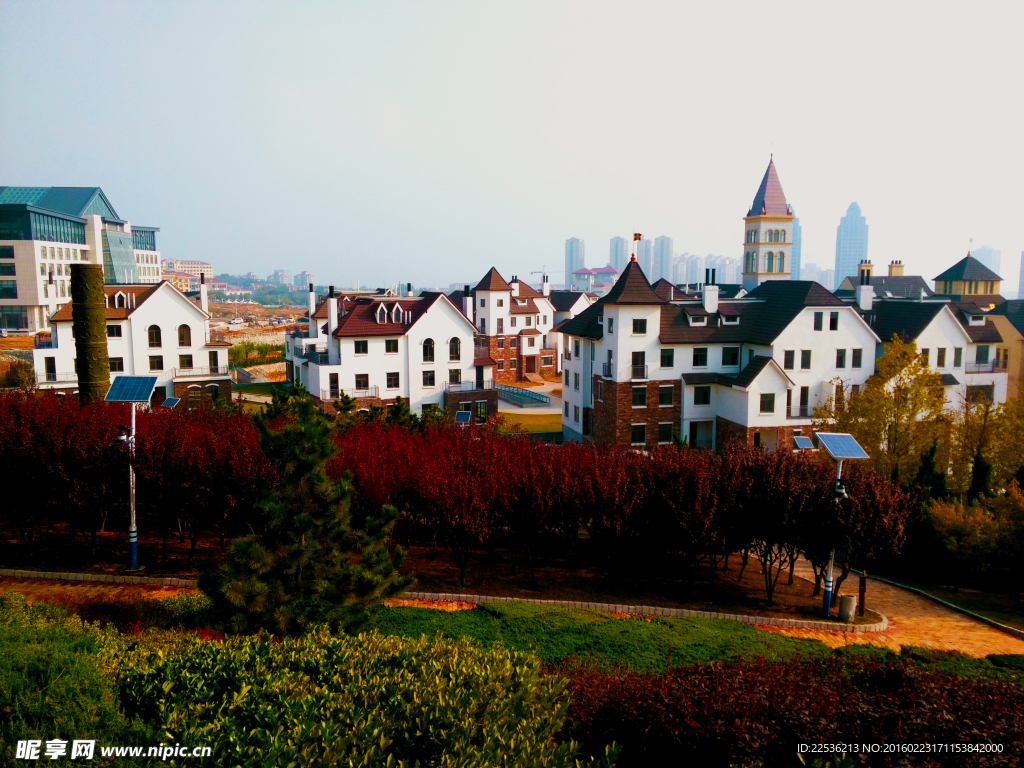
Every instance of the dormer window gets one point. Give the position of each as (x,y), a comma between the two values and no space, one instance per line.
(977,319)
(726,320)
(396,314)
(382,314)
(701,320)
(119,299)
(522,302)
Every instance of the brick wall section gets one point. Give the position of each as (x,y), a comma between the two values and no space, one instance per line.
(614,414)
(506,354)
(490,396)
(181,389)
(729,431)
(362,403)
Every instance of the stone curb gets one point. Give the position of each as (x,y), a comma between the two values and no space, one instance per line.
(100,577)
(650,610)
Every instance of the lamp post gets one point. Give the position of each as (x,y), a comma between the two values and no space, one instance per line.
(127,438)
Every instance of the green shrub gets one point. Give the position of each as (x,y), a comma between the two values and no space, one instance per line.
(1007,660)
(367,700)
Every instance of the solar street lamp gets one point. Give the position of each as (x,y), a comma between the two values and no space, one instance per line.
(132,390)
(840,446)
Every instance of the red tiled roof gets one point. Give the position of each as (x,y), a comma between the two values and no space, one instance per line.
(584,271)
(483,361)
(529,308)
(361,317)
(605,269)
(493,282)
(138,294)
(529,332)
(527,291)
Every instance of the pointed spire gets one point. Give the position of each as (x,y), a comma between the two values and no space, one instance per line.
(770,200)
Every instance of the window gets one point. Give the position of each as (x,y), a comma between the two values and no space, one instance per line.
(668,357)
(981,355)
(665,432)
(156,362)
(547,361)
(7,270)
(638,434)
(480,409)
(639,397)
(454,376)
(700,357)
(666,395)
(113,331)
(483,302)
(185,361)
(154,336)
(428,378)
(529,320)
(392,380)
(428,351)
(958,356)
(391,346)
(770,261)
(702,395)
(855,389)
(925,357)
(513,363)
(805,359)
(576,413)
(567,378)
(567,409)
(789,355)
(184,336)
(543,320)
(979,394)
(782,262)
(362,381)
(363,346)
(840,358)
(833,321)
(818,316)
(501,343)
(599,389)
(858,355)
(214,362)
(117,365)
(501,302)
(531,341)
(611,324)
(501,325)
(576,347)
(501,365)
(940,357)
(767,402)
(513,343)
(6,251)
(454,350)
(512,322)
(639,326)
(195,397)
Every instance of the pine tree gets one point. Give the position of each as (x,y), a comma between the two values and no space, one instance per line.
(930,479)
(311,566)
(981,478)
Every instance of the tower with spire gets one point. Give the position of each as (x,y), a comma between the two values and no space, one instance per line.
(768,233)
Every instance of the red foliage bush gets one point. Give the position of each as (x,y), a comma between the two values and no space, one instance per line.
(729,714)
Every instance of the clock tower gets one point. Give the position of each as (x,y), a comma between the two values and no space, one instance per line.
(768,233)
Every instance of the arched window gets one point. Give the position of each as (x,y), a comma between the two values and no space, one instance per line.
(776,236)
(120,300)
(195,397)
(154,336)
(396,315)
(213,391)
(382,314)
(770,262)
(184,336)
(783,236)
(454,350)
(428,351)
(782,262)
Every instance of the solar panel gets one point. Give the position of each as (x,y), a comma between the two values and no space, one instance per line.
(841,446)
(803,443)
(131,389)
(463,417)
(170,402)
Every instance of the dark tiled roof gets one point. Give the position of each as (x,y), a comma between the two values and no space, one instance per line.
(906,319)
(361,318)
(632,288)
(493,282)
(725,290)
(456,298)
(968,268)
(665,289)
(139,293)
(585,323)
(709,378)
(770,200)
(784,299)
(563,301)
(344,302)
(676,328)
(949,380)
(1013,310)
(900,286)
(980,334)
(753,370)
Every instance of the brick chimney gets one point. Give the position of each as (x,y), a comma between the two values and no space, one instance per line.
(896,268)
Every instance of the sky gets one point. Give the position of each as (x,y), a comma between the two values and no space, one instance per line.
(389,142)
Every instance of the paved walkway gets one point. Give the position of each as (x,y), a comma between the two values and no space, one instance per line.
(913,620)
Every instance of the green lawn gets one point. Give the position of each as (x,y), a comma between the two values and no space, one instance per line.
(255,389)
(535,422)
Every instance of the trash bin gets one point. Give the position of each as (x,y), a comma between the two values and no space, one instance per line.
(847,607)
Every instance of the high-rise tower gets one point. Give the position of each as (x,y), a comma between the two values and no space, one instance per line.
(618,252)
(797,256)
(851,243)
(768,225)
(575,258)
(664,250)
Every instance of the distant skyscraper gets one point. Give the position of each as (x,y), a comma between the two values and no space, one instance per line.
(695,269)
(645,257)
(851,243)
(796,259)
(575,258)
(618,253)
(989,256)
(828,279)
(664,250)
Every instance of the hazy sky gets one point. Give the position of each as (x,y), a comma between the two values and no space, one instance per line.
(428,141)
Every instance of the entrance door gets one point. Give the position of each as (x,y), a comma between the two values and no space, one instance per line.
(479,377)
(805,398)
(531,364)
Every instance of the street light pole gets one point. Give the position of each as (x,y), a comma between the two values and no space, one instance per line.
(133,534)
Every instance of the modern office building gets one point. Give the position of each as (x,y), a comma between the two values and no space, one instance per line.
(766,246)
(618,252)
(988,256)
(575,258)
(796,255)
(851,243)
(43,230)
(664,250)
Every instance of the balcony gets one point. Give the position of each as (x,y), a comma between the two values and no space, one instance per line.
(317,356)
(197,373)
(469,386)
(55,378)
(355,394)
(800,412)
(992,366)
(567,355)
(638,372)
(44,341)
(607,371)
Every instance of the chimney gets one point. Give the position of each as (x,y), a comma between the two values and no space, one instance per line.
(864,270)
(896,268)
(332,312)
(408,289)
(714,280)
(311,326)
(515,285)
(710,297)
(545,286)
(865,296)
(467,303)
(204,298)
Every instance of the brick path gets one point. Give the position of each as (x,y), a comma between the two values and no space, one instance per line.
(34,589)
(913,620)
